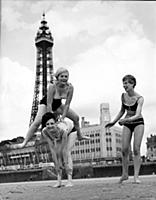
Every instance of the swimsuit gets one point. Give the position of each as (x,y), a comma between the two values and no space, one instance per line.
(131,125)
(55,104)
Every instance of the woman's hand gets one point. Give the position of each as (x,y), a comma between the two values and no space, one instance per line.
(123,121)
(61,119)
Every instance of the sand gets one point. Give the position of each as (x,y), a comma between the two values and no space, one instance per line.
(83,189)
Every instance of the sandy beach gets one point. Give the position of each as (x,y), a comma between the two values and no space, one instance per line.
(83,189)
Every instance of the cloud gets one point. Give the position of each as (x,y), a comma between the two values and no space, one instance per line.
(97,77)
(105,40)
(96,19)
(12,17)
(16,98)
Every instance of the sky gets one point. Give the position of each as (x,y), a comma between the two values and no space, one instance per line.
(99,42)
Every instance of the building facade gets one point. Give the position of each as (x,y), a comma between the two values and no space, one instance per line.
(151,148)
(105,144)
(104,147)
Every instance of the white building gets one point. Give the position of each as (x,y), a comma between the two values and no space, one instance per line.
(105,145)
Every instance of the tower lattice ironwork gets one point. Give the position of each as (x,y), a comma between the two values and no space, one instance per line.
(44,65)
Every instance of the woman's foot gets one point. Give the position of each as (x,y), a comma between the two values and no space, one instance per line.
(69,184)
(57,185)
(18,146)
(80,137)
(123,178)
(15,146)
(136,180)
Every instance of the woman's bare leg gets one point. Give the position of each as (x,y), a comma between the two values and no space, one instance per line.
(75,118)
(55,155)
(126,139)
(34,126)
(138,135)
(71,141)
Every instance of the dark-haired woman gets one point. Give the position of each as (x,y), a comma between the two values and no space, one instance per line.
(133,123)
(61,137)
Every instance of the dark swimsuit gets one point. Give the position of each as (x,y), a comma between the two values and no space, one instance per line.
(55,105)
(139,121)
(56,102)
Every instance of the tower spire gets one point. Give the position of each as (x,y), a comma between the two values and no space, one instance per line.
(43,15)
(44,64)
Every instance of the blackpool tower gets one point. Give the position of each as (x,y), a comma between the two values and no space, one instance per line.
(44,65)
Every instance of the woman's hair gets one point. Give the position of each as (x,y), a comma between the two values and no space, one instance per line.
(131,79)
(60,71)
(46,117)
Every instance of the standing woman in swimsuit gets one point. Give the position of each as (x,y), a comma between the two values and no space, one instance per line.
(62,89)
(133,121)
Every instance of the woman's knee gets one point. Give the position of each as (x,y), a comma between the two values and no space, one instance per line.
(125,151)
(76,119)
(136,151)
(36,123)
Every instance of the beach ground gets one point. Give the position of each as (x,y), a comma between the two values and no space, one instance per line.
(83,189)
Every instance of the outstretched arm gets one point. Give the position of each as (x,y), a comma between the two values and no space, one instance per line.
(119,115)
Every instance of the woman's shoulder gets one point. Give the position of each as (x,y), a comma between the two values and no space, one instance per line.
(140,99)
(139,96)
(123,96)
(52,85)
(70,87)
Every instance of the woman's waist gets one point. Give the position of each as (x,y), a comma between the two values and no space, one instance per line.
(138,119)
(131,114)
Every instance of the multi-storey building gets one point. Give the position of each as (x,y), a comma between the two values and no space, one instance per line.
(151,148)
(105,144)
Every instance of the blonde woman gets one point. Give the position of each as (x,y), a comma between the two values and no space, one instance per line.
(60,89)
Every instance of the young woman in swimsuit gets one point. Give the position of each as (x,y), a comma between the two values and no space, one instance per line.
(61,89)
(133,121)
(61,137)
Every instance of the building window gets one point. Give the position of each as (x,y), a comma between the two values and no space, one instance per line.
(97,140)
(86,142)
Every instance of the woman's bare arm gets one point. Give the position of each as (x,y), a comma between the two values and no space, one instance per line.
(68,101)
